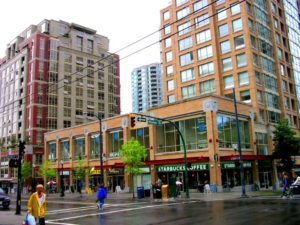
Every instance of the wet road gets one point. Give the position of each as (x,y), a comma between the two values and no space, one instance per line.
(234,212)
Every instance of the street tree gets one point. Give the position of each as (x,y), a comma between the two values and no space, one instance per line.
(80,171)
(46,171)
(26,171)
(132,155)
(286,145)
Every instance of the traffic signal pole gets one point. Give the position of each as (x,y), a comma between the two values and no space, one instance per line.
(21,153)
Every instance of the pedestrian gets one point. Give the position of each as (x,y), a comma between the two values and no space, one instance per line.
(206,187)
(285,181)
(101,195)
(37,204)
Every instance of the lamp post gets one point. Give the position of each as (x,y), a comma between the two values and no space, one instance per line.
(100,117)
(62,187)
(239,147)
(33,178)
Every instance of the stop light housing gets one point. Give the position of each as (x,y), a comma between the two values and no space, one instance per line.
(22,147)
(132,123)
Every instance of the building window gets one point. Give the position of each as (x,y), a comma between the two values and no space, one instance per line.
(287,102)
(204,53)
(225,47)
(200,5)
(115,143)
(185,43)
(203,36)
(169,56)
(181,2)
(186,59)
(52,152)
(193,130)
(188,92)
(227,132)
(94,146)
(241,60)
(206,69)
(245,96)
(270,83)
(243,78)
(169,70)
(171,98)
(284,86)
(272,100)
(65,150)
(239,42)
(167,29)
(79,148)
(167,15)
(237,25)
(223,30)
(90,46)
(170,85)
(262,143)
(187,75)
(79,43)
(222,14)
(207,87)
(259,97)
(282,70)
(168,42)
(273,117)
(227,64)
(67,123)
(228,82)
(184,28)
(202,20)
(235,8)
(183,13)
(142,136)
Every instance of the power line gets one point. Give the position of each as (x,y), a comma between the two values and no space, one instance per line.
(113,54)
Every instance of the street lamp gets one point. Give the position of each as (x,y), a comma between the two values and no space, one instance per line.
(62,187)
(33,178)
(100,117)
(239,147)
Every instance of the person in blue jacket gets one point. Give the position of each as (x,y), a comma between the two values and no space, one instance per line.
(101,195)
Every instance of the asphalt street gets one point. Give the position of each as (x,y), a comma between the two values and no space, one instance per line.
(216,209)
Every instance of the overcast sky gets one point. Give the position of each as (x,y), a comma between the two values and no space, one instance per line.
(122,21)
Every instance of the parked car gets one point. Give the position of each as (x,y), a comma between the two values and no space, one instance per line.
(4,199)
(295,187)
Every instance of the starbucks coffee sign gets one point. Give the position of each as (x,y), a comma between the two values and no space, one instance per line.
(180,168)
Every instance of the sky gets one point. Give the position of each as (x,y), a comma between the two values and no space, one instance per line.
(123,22)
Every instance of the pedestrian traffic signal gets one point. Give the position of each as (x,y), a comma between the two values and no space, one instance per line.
(13,163)
(132,122)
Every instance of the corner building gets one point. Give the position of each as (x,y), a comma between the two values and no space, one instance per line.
(215,46)
(208,136)
(54,75)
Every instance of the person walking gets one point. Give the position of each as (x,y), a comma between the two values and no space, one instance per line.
(101,195)
(285,181)
(37,204)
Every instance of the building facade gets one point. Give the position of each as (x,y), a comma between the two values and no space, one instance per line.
(146,87)
(54,75)
(209,137)
(213,47)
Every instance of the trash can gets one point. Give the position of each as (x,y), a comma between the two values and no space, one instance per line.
(164,192)
(140,192)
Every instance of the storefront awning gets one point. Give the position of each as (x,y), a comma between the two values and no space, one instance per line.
(245,157)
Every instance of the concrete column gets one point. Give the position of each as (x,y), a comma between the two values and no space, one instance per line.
(72,150)
(152,151)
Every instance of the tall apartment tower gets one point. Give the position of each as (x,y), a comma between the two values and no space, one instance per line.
(146,87)
(55,75)
(213,47)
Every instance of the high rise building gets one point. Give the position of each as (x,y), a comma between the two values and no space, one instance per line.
(54,75)
(252,46)
(146,87)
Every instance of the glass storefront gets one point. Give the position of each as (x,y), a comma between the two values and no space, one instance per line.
(115,178)
(198,173)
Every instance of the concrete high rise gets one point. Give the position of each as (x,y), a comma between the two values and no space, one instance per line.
(250,45)
(54,75)
(146,87)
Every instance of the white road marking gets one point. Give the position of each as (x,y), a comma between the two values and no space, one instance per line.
(116,211)
(50,222)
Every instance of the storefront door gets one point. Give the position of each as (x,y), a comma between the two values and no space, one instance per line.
(265,180)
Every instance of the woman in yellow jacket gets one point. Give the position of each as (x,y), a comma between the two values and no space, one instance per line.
(37,204)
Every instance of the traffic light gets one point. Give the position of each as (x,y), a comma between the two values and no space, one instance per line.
(22,147)
(132,122)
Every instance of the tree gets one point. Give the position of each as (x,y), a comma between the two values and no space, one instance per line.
(79,170)
(46,171)
(287,144)
(132,154)
(26,171)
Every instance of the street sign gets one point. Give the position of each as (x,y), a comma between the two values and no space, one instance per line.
(142,119)
(154,122)
(210,105)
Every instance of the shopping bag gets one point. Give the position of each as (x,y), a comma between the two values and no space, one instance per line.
(29,220)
